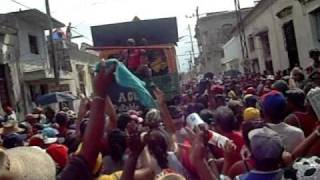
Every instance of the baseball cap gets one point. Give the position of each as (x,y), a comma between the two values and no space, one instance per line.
(251,113)
(281,86)
(50,135)
(272,101)
(13,140)
(250,90)
(217,89)
(265,144)
(59,154)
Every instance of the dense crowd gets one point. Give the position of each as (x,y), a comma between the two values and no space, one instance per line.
(248,127)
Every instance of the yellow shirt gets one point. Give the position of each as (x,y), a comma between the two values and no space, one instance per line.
(98,165)
(113,176)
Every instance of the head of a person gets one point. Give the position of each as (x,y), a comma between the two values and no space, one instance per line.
(8,109)
(13,140)
(37,140)
(50,135)
(123,120)
(207,116)
(315,77)
(157,144)
(59,153)
(177,117)
(225,120)
(32,119)
(314,54)
(274,106)
(49,113)
(236,106)
(250,100)
(62,119)
(281,86)
(153,118)
(295,100)
(266,148)
(220,100)
(131,42)
(248,126)
(118,144)
(297,74)
(251,114)
(27,128)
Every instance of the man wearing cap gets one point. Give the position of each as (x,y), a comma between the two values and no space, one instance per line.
(274,106)
(266,149)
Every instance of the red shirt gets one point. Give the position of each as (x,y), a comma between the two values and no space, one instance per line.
(134,58)
(237,139)
(306,122)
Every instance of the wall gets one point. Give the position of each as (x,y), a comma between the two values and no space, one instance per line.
(232,52)
(213,32)
(266,20)
(25,29)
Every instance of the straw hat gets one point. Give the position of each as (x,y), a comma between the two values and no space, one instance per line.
(28,163)
(10,126)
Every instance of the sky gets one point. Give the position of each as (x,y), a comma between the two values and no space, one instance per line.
(85,13)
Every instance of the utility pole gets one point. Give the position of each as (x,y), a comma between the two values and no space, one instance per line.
(191,41)
(240,27)
(53,49)
(190,62)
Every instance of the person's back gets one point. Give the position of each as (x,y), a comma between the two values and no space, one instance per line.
(303,120)
(290,135)
(274,106)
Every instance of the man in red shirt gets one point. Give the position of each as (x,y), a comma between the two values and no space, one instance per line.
(133,57)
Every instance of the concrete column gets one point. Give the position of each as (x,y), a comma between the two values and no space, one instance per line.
(259,51)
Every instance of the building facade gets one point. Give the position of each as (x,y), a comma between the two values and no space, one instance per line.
(27,65)
(212,32)
(279,35)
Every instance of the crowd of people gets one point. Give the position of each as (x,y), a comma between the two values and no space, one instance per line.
(248,127)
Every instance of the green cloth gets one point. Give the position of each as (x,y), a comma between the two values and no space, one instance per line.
(127,79)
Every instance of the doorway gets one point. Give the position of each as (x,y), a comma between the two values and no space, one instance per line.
(291,44)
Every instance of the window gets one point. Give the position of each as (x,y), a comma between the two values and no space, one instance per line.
(251,43)
(2,35)
(316,15)
(33,43)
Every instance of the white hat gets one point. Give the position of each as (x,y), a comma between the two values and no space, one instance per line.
(194,120)
(27,163)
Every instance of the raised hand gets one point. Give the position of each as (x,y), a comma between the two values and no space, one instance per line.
(103,79)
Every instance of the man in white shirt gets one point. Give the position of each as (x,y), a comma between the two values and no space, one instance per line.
(274,105)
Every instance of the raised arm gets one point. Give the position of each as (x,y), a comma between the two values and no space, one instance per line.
(111,112)
(307,144)
(167,119)
(96,124)
(83,109)
(198,157)
(136,146)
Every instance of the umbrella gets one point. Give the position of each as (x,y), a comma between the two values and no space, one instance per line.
(55,97)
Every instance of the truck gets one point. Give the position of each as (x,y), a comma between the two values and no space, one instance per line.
(153,42)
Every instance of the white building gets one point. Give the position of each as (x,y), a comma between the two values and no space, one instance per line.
(279,35)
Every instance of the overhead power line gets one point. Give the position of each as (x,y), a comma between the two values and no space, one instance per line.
(21,4)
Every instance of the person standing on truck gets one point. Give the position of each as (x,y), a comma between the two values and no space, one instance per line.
(133,58)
